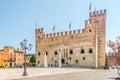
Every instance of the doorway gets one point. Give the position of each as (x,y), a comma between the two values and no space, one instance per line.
(62,61)
(10,64)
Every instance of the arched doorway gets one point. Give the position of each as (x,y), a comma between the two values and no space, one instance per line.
(62,61)
(10,64)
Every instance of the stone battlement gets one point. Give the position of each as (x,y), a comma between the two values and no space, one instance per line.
(94,14)
(40,31)
(98,13)
(56,34)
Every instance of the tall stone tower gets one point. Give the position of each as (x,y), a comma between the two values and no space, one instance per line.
(98,18)
(84,48)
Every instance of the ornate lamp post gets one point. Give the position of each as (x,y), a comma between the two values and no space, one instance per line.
(24,46)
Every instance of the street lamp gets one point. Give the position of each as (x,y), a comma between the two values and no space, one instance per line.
(24,46)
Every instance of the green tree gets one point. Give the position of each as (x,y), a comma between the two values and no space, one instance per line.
(33,60)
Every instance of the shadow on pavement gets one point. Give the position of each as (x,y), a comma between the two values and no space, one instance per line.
(114,78)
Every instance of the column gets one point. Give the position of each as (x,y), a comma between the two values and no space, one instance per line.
(60,64)
(68,52)
(45,60)
(96,49)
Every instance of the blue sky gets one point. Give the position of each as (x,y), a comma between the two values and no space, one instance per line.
(18,18)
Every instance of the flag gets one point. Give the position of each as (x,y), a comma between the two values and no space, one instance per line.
(111,44)
(70,25)
(118,39)
(90,7)
(117,44)
(95,13)
(53,29)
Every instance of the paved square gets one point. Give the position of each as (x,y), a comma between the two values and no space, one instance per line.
(58,74)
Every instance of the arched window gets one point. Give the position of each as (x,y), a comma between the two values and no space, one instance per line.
(55,53)
(71,51)
(90,30)
(83,58)
(46,53)
(38,62)
(76,61)
(82,51)
(90,50)
(38,37)
(55,61)
(38,53)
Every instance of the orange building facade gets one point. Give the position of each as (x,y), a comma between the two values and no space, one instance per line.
(11,57)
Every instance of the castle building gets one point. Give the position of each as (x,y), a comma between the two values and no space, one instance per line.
(81,48)
(114,58)
(11,57)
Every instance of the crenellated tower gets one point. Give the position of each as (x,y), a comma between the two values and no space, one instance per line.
(82,47)
(98,19)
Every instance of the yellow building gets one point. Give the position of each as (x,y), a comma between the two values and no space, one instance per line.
(3,58)
(11,57)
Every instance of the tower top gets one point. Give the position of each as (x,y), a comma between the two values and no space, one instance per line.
(98,13)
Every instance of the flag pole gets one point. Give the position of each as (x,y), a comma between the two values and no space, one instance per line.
(90,7)
(70,25)
(70,28)
(53,29)
(36,24)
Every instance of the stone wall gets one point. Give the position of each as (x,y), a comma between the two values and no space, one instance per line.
(82,47)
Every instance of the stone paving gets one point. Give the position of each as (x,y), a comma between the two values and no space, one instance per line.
(58,74)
